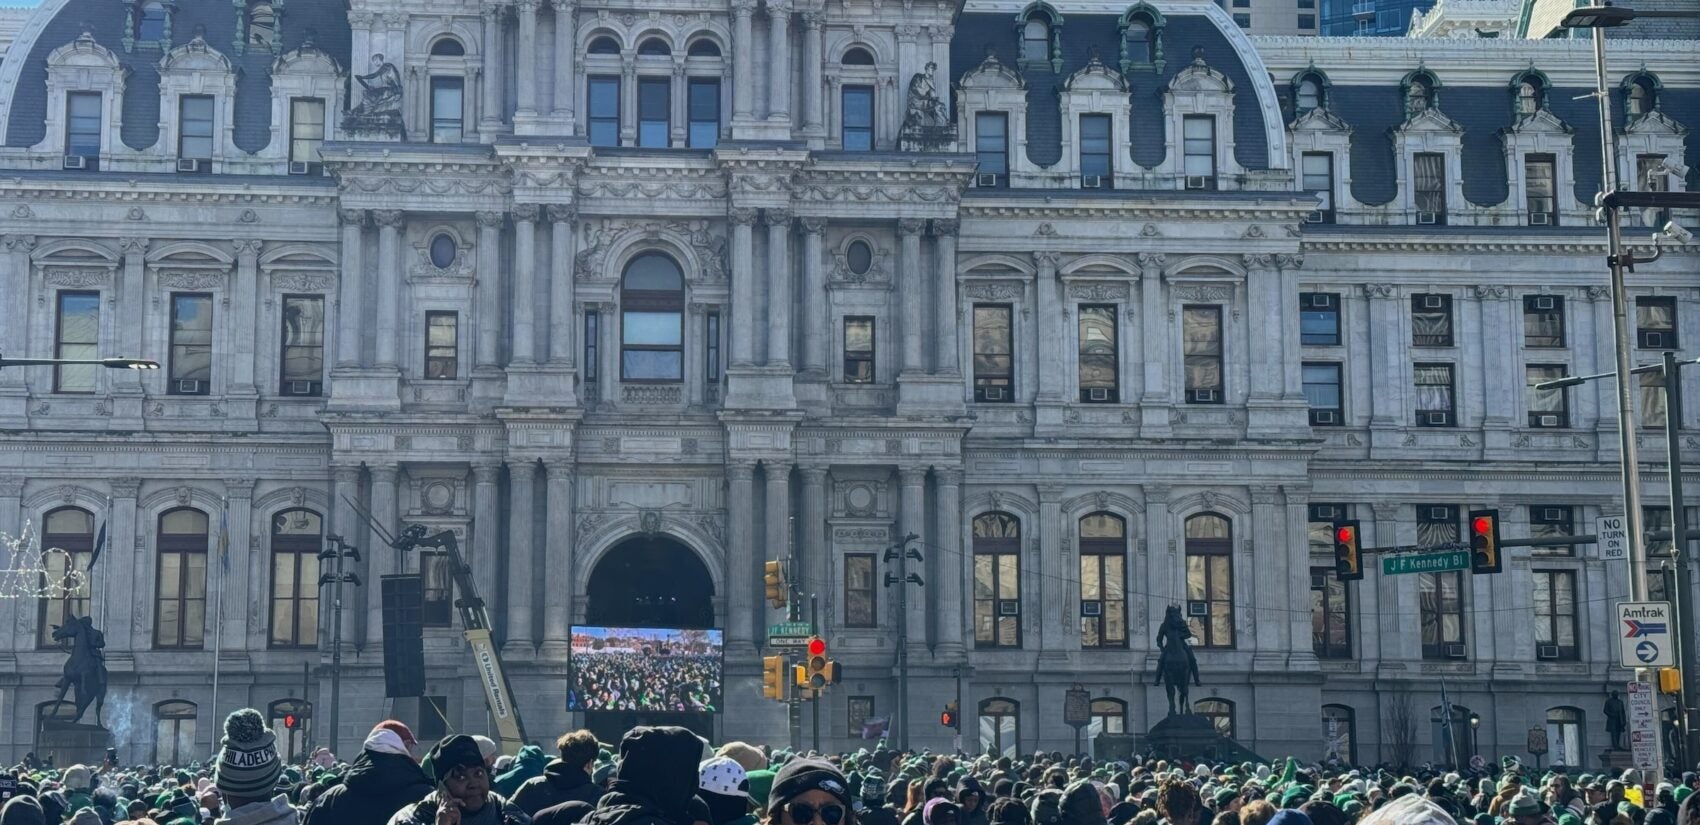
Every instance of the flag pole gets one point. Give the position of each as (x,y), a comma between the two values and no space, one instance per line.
(100,547)
(218,599)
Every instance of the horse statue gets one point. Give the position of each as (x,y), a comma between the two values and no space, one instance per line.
(86,669)
(1176,661)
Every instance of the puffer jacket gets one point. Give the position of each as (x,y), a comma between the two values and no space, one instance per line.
(656,780)
(559,783)
(424,812)
(378,785)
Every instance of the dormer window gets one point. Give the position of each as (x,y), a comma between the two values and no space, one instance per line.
(262,25)
(1036,41)
(604,45)
(1640,95)
(1139,41)
(1528,98)
(1308,96)
(1419,97)
(195,133)
(152,24)
(1142,39)
(82,129)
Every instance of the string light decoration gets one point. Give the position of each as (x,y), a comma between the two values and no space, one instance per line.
(28,574)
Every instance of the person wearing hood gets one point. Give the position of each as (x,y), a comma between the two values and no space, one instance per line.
(565,778)
(518,770)
(1082,804)
(382,779)
(971,797)
(655,781)
(247,774)
(463,795)
(22,810)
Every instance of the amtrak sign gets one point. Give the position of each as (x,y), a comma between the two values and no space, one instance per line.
(1644,635)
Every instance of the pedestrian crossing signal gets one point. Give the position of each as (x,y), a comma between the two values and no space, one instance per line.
(1348,552)
(291,721)
(1484,542)
(950,718)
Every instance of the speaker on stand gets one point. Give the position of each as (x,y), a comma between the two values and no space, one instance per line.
(404,639)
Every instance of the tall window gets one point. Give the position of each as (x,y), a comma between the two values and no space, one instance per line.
(604,124)
(1435,397)
(436,591)
(1652,398)
(70,529)
(856,129)
(1323,394)
(82,127)
(1036,41)
(1330,615)
(652,313)
(77,335)
(861,591)
(1138,40)
(1201,349)
(296,544)
(1655,323)
(1103,581)
(1564,737)
(1541,188)
(1198,147)
(448,95)
(1000,728)
(1339,734)
(859,349)
(174,733)
(180,602)
(1317,170)
(702,110)
(654,105)
(1548,407)
(262,25)
(195,128)
(1319,319)
(1552,520)
(1095,166)
(442,346)
(997,580)
(191,344)
(1321,529)
(1098,369)
(1431,320)
(1108,716)
(152,24)
(306,129)
(1210,580)
(1543,321)
(1220,712)
(1441,601)
(303,361)
(1308,96)
(592,346)
(1428,186)
(711,349)
(1555,614)
(994,356)
(991,148)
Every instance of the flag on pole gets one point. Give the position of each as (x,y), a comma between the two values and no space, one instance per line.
(1446,723)
(99,545)
(224,538)
(876,727)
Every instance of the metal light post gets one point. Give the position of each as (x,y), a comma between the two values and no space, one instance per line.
(336,553)
(109,363)
(903,554)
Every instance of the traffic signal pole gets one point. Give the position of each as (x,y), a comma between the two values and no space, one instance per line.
(1684,576)
(814,699)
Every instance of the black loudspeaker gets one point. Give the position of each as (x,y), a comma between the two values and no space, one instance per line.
(404,641)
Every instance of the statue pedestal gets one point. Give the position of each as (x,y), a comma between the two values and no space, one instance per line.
(70,743)
(1191,736)
(1617,760)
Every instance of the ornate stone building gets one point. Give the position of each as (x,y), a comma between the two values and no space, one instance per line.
(1109,306)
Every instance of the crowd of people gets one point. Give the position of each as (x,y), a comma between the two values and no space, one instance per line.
(608,680)
(670,776)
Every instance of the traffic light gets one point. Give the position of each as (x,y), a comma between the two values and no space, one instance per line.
(773,577)
(773,678)
(1348,554)
(820,671)
(1484,542)
(291,721)
(950,718)
(1670,680)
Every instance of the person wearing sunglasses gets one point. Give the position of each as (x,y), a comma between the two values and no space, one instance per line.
(809,792)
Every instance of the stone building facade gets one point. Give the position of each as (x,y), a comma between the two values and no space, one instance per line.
(634,298)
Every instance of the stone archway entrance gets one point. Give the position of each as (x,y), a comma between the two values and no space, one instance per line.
(649,581)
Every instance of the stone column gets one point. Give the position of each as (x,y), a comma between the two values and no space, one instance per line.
(11,523)
(1605,392)
(350,307)
(526,68)
(564,78)
(345,486)
(743,71)
(778,512)
(1264,305)
(244,575)
(1048,326)
(1054,578)
(779,60)
(561,555)
(813,123)
(1301,656)
(913,515)
(778,287)
(1387,351)
(1498,337)
(389,285)
(486,541)
(1154,317)
(490,106)
(628,99)
(522,481)
(742,626)
(744,318)
(1396,597)
(811,535)
(132,296)
(1269,563)
(561,350)
(1164,568)
(14,284)
(609,351)
(1292,353)
(817,313)
(945,345)
(525,284)
(912,291)
(488,298)
(244,307)
(381,559)
(949,571)
(120,556)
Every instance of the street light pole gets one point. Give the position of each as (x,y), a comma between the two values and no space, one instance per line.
(1679,546)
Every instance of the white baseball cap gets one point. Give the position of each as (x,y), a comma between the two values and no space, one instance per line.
(722,775)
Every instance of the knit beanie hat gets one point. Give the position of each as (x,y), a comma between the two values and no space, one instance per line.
(248,765)
(85,816)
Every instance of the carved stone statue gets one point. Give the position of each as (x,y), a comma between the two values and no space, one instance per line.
(85,671)
(1176,662)
(926,119)
(1615,719)
(379,111)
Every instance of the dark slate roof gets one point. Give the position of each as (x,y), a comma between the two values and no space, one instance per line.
(1084,33)
(325,20)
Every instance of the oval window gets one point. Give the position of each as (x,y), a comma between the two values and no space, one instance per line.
(443,251)
(859,257)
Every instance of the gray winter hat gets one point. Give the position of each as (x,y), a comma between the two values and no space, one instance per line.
(248,765)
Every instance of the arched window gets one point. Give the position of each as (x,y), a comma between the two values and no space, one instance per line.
(174,733)
(448,47)
(654,47)
(1564,737)
(70,529)
(1339,734)
(152,24)
(858,56)
(1138,40)
(1103,581)
(1419,95)
(652,311)
(1528,96)
(295,578)
(1000,727)
(1220,712)
(1036,40)
(1641,96)
(1108,716)
(997,580)
(1308,95)
(291,742)
(180,588)
(262,25)
(604,45)
(703,47)
(1210,579)
(1454,744)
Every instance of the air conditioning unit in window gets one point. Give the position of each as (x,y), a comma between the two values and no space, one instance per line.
(986,179)
(76,162)
(1546,651)
(1439,514)
(1321,300)
(1204,396)
(993,393)
(1314,216)
(1091,181)
(1652,340)
(1324,417)
(1455,651)
(190,164)
(1553,514)
(1539,219)
(1198,608)
(1198,181)
(1437,419)
(1434,302)
(298,167)
(1009,607)
(188,387)
(1098,394)
(1318,581)
(1426,218)
(303,388)
(1545,302)
(1091,608)
(1547,421)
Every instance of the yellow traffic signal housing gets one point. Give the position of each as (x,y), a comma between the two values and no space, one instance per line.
(773,578)
(820,669)
(800,676)
(773,678)
(1484,542)
(1348,553)
(1670,680)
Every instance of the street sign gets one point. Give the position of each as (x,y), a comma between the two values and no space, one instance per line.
(1643,726)
(1613,537)
(789,634)
(1644,635)
(1425,562)
(788,641)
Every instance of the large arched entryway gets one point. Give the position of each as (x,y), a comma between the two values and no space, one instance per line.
(649,581)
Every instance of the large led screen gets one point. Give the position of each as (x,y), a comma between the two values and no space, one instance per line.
(645,669)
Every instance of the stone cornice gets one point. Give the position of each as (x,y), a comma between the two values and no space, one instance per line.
(1414,242)
(1289,210)
(135,192)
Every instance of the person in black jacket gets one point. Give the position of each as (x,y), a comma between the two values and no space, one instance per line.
(656,780)
(383,779)
(564,779)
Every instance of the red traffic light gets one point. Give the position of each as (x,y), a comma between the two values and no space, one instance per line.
(947,719)
(1481,525)
(290,721)
(1345,535)
(817,646)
